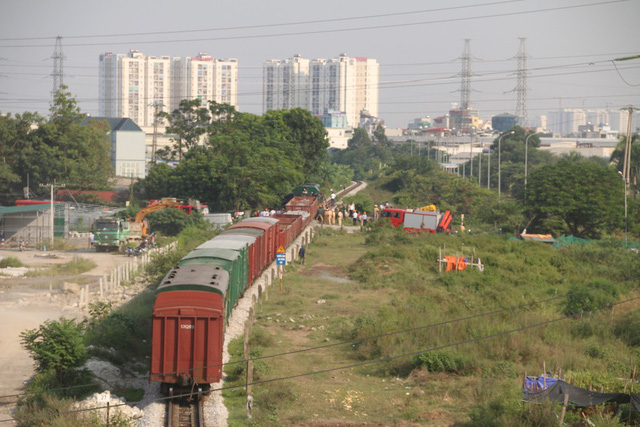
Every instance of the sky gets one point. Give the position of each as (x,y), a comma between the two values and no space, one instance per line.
(570,48)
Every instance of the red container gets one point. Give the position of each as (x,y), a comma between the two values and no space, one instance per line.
(270,235)
(304,204)
(290,227)
(188,326)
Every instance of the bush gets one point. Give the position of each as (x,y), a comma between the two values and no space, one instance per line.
(440,361)
(10,262)
(627,328)
(595,295)
(56,345)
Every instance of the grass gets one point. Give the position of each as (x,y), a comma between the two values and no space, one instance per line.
(77,265)
(396,286)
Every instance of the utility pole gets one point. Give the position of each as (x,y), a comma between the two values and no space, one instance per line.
(52,214)
(58,66)
(626,165)
(154,145)
(521,87)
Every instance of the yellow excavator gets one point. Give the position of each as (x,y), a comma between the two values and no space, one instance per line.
(140,226)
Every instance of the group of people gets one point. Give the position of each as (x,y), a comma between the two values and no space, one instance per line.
(339,214)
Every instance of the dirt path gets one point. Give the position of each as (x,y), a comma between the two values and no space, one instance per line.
(25,303)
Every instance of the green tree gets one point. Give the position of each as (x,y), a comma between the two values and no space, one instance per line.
(15,145)
(56,345)
(575,196)
(189,122)
(63,149)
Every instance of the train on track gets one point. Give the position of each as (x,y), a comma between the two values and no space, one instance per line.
(196,298)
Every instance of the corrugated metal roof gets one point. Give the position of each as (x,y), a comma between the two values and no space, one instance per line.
(18,209)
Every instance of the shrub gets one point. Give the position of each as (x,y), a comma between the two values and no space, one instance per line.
(441,361)
(627,328)
(56,345)
(595,295)
(10,262)
(595,351)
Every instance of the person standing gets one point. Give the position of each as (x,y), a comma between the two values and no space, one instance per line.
(376,212)
(364,219)
(333,199)
(340,215)
(355,217)
(301,254)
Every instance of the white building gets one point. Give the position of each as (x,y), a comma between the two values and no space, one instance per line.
(566,120)
(344,84)
(127,146)
(133,85)
(205,78)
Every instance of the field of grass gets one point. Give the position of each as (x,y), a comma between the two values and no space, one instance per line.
(358,288)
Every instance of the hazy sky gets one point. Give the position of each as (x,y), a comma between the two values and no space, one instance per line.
(570,44)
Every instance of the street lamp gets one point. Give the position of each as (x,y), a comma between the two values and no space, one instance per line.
(500,162)
(526,162)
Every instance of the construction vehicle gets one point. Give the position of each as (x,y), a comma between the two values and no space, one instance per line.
(417,220)
(111,234)
(115,233)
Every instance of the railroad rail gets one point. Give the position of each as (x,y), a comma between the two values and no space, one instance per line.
(185,411)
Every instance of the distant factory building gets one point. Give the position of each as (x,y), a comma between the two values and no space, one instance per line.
(503,122)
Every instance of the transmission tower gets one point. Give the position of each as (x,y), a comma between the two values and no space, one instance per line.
(521,86)
(58,66)
(465,74)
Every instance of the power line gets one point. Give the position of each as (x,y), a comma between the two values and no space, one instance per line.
(446,322)
(341,30)
(281,24)
(355,365)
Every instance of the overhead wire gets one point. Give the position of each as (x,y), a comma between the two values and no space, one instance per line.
(354,365)
(475,316)
(340,30)
(281,24)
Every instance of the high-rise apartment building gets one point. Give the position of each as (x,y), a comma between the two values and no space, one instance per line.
(133,85)
(344,84)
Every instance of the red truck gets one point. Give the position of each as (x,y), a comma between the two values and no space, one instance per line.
(416,220)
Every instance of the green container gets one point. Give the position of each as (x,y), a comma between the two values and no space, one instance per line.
(229,260)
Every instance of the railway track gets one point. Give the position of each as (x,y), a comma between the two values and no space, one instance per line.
(186,411)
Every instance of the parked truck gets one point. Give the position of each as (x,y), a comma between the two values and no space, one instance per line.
(419,220)
(112,234)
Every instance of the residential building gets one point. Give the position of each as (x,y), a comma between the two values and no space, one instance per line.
(205,78)
(135,86)
(344,84)
(128,147)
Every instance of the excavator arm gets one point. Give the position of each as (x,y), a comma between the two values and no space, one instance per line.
(162,204)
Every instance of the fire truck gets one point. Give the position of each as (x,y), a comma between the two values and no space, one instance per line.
(418,220)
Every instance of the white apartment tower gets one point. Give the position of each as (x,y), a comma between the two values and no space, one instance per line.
(132,85)
(344,84)
(286,83)
(122,85)
(205,78)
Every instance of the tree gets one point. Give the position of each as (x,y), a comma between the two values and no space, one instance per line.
(56,345)
(575,196)
(15,145)
(304,132)
(188,122)
(65,150)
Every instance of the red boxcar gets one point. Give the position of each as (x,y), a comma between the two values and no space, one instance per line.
(188,326)
(290,227)
(303,204)
(270,229)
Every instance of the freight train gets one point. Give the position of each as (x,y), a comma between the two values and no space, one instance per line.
(195,299)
